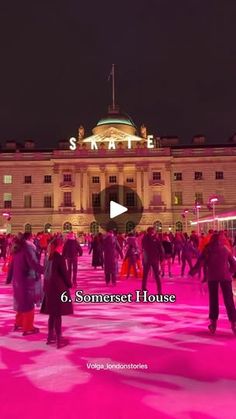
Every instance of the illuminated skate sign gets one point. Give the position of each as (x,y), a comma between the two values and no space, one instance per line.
(113,143)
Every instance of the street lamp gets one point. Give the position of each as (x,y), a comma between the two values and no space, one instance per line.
(197,208)
(185,216)
(212,201)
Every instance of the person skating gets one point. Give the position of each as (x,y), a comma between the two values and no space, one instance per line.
(71,251)
(112,251)
(23,275)
(153,254)
(168,252)
(57,299)
(220,266)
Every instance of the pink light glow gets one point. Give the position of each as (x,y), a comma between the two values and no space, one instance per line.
(213,200)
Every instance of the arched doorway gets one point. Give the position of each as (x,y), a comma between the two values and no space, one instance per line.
(130,226)
(67,226)
(158,226)
(94,228)
(28,228)
(179,226)
(48,228)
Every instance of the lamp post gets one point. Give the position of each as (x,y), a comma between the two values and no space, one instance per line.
(185,216)
(197,208)
(213,202)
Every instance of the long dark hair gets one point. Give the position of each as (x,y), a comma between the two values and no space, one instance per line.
(57,241)
(18,243)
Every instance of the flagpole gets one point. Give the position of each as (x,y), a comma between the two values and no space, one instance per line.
(113,87)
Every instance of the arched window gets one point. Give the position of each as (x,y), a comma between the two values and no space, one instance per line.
(158,226)
(94,227)
(179,226)
(28,228)
(67,226)
(48,228)
(129,226)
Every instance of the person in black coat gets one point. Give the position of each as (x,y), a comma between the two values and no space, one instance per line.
(97,249)
(57,299)
(168,250)
(112,251)
(71,251)
(153,254)
(188,251)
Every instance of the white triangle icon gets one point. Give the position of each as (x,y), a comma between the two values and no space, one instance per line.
(116,209)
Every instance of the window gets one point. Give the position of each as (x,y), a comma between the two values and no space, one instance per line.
(198,176)
(47,179)
(27,201)
(178,198)
(130,180)
(199,197)
(47,201)
(157,225)
(67,226)
(96,202)
(112,179)
(95,179)
(130,199)
(113,196)
(179,226)
(219,175)
(156,176)
(178,176)
(7,198)
(28,179)
(67,177)
(7,179)
(28,228)
(94,228)
(67,199)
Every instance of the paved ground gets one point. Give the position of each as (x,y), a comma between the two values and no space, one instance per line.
(131,360)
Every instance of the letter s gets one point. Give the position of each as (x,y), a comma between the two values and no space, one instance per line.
(72,141)
(79,297)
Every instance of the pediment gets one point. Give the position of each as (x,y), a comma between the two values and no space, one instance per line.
(112,134)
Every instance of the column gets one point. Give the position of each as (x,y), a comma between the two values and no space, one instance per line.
(167,187)
(146,198)
(139,183)
(102,186)
(121,184)
(56,188)
(77,190)
(85,193)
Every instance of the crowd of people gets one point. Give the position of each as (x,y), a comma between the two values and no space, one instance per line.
(27,258)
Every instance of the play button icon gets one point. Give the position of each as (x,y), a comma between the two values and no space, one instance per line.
(116,209)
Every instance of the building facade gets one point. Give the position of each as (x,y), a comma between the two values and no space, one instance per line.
(55,190)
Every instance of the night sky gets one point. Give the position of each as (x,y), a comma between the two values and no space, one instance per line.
(175,67)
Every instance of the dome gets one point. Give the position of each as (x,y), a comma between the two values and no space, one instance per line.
(115,119)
